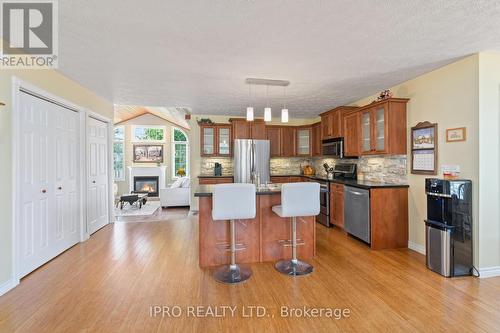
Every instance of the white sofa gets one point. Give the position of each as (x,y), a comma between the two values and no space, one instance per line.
(177,194)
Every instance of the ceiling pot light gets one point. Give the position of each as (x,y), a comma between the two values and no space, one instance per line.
(284,115)
(267,114)
(249,113)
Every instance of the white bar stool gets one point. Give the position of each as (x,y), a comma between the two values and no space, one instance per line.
(231,202)
(297,199)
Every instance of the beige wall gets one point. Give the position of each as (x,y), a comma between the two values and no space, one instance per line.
(54,83)
(489,163)
(449,97)
(146,119)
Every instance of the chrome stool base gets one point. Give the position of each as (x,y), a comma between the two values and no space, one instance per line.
(227,275)
(293,268)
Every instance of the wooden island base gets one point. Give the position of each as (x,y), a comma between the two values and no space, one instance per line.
(260,239)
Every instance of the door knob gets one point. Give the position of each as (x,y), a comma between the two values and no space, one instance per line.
(59,188)
(44,191)
(93,182)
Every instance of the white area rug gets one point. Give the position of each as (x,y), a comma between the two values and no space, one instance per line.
(148,209)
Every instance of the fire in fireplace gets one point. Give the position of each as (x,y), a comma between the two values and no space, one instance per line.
(146,184)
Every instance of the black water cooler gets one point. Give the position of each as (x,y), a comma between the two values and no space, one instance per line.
(448,227)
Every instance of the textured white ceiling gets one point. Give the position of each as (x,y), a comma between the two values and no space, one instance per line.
(197,53)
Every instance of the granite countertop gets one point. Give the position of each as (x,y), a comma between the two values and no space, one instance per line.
(207,190)
(212,176)
(349,182)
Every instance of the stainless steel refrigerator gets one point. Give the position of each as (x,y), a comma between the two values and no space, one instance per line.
(251,161)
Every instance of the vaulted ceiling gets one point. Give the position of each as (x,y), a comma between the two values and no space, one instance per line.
(175,116)
(197,53)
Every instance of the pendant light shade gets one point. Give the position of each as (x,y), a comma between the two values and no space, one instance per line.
(267,114)
(284,115)
(249,113)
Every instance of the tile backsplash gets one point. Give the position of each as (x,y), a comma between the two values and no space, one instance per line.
(382,169)
(288,165)
(387,169)
(207,165)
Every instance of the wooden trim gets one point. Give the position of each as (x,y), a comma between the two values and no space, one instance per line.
(377,103)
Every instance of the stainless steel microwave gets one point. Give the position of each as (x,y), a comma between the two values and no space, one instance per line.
(333,147)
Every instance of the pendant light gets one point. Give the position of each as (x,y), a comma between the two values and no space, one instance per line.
(267,109)
(284,111)
(249,108)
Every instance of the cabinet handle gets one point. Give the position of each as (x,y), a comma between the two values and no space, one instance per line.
(93,182)
(59,188)
(44,191)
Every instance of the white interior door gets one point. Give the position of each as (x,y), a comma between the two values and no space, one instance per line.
(97,198)
(49,212)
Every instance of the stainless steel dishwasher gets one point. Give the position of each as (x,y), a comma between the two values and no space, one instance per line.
(357,212)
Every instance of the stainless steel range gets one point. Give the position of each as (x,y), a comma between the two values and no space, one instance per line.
(324,200)
(339,171)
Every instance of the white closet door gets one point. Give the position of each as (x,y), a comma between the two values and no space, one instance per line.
(47,215)
(97,198)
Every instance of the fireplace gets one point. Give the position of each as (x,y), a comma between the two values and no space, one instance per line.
(146,184)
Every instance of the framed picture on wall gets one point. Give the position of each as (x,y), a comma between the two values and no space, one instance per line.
(148,154)
(456,134)
(424,149)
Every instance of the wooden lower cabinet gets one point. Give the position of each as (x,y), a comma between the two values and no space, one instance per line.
(337,205)
(215,180)
(389,218)
(264,238)
(288,179)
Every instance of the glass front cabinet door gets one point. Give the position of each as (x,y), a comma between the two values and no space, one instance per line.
(224,140)
(366,132)
(380,133)
(207,140)
(304,142)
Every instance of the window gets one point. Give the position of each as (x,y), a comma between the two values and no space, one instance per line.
(180,153)
(148,134)
(119,153)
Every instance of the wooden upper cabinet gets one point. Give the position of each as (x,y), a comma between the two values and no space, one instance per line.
(241,128)
(316,140)
(208,140)
(273,134)
(383,127)
(224,140)
(351,133)
(258,130)
(336,119)
(331,122)
(303,145)
(215,140)
(288,141)
(326,126)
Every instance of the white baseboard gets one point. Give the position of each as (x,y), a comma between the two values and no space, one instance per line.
(416,247)
(488,272)
(7,285)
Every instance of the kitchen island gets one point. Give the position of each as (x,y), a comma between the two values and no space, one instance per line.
(264,238)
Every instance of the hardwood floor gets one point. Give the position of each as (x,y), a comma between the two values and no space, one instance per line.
(108,284)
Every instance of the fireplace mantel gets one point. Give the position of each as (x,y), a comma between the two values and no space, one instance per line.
(135,171)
